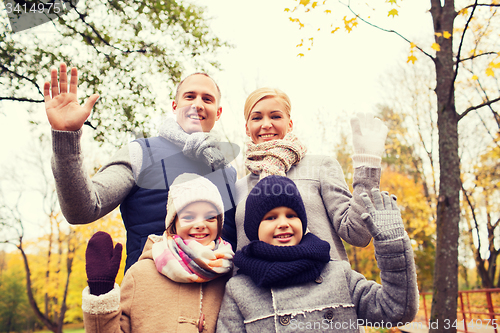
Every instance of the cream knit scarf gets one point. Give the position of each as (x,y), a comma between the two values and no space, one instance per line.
(188,261)
(198,146)
(274,157)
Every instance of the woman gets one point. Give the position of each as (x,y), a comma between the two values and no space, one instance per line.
(334,212)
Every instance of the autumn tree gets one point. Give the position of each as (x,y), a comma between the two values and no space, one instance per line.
(482,213)
(53,259)
(464,47)
(60,246)
(15,311)
(133,53)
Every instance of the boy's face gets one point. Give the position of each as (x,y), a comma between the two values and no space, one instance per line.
(197,221)
(281,226)
(197,105)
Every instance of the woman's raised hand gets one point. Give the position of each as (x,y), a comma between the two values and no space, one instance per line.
(63,111)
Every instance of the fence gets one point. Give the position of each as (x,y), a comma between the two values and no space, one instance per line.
(476,310)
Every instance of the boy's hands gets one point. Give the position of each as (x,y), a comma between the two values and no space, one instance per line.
(384,219)
(102,263)
(63,111)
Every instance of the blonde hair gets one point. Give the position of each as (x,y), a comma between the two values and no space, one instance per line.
(263,93)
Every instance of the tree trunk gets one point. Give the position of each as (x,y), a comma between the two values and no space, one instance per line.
(445,290)
(45,320)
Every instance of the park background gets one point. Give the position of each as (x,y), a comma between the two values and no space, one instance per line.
(347,66)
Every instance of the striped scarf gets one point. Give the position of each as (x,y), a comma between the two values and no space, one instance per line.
(274,157)
(188,261)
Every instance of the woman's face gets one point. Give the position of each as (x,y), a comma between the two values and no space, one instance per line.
(268,121)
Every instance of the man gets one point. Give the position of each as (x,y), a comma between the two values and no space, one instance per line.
(138,176)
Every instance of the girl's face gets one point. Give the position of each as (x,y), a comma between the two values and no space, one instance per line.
(197,221)
(281,226)
(268,121)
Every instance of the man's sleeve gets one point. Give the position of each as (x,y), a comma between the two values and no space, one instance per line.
(84,199)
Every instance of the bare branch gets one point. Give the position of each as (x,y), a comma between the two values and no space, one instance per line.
(452,86)
(472,108)
(472,208)
(82,18)
(21,99)
(482,5)
(5,69)
(477,56)
(385,30)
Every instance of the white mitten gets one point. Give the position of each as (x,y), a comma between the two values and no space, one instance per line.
(368,138)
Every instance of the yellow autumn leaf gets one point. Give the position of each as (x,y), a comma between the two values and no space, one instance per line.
(287,9)
(474,77)
(350,24)
(328,11)
(413,45)
(438,34)
(411,58)
(435,46)
(489,72)
(300,55)
(393,12)
(446,34)
(314,4)
(493,65)
(392,1)
(334,30)
(304,2)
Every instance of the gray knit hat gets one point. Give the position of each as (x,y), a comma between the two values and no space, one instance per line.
(188,188)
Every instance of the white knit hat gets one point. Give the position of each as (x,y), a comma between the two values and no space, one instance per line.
(188,188)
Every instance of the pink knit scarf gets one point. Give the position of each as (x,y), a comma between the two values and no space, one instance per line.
(274,157)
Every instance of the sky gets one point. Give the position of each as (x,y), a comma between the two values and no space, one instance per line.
(340,76)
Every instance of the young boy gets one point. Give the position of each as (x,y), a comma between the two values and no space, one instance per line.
(286,281)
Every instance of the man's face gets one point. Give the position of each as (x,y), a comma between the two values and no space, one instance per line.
(197,105)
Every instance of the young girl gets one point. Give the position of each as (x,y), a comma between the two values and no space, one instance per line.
(178,283)
(286,281)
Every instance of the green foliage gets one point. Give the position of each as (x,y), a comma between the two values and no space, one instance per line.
(131,52)
(15,311)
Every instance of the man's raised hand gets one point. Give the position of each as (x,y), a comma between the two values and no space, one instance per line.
(63,111)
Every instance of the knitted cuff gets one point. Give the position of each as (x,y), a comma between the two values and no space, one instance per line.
(102,304)
(389,224)
(66,142)
(99,287)
(366,160)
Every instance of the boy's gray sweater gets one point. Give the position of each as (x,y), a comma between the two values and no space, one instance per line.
(339,301)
